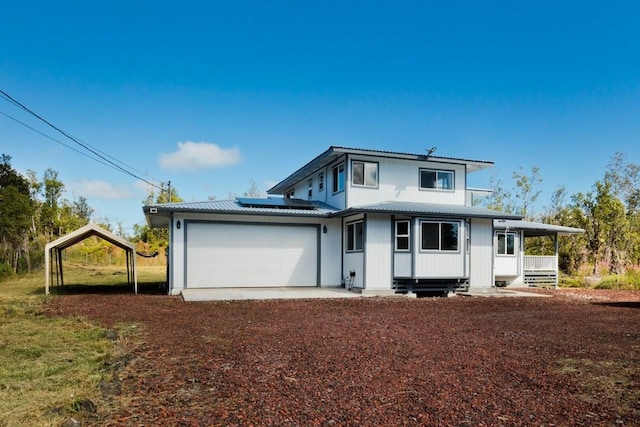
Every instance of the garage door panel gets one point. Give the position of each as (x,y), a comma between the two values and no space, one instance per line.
(240,255)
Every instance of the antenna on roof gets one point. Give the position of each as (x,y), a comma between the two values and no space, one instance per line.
(430,151)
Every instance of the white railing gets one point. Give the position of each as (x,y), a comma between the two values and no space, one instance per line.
(540,263)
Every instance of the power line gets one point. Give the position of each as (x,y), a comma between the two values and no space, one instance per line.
(106,159)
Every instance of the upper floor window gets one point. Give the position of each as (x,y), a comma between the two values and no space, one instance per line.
(290,194)
(506,243)
(355,236)
(402,235)
(338,178)
(432,179)
(364,174)
(439,236)
(321,182)
(310,189)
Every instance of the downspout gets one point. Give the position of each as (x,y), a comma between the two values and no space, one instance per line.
(557,247)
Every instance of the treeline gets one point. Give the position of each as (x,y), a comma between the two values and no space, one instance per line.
(609,213)
(34,212)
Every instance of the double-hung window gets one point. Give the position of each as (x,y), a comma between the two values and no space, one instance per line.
(439,236)
(506,243)
(355,237)
(402,235)
(310,189)
(321,182)
(364,174)
(338,178)
(431,179)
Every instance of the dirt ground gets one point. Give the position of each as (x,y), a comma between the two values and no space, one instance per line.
(569,360)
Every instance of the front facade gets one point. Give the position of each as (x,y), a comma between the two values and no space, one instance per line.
(371,220)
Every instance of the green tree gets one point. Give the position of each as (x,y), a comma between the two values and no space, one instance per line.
(52,190)
(602,216)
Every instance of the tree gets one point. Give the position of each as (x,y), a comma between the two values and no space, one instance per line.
(52,189)
(252,191)
(602,216)
(526,191)
(500,198)
(624,180)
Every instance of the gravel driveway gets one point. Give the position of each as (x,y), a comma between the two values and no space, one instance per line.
(572,359)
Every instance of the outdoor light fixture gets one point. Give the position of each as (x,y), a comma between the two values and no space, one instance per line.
(324,229)
(178,225)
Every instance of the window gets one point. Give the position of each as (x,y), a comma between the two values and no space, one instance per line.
(355,238)
(402,235)
(321,182)
(364,174)
(289,194)
(310,189)
(338,178)
(436,180)
(439,236)
(506,243)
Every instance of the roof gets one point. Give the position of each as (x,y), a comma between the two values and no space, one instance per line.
(333,153)
(430,209)
(158,215)
(532,229)
(87,231)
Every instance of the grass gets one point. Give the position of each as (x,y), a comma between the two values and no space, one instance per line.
(51,367)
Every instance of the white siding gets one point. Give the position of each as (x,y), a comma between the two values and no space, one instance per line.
(439,264)
(378,252)
(399,180)
(176,256)
(481,239)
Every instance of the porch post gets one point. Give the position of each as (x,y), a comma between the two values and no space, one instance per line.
(555,286)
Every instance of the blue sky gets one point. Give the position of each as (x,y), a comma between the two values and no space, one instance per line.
(258,88)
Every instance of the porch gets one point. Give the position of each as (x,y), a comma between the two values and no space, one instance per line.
(541,270)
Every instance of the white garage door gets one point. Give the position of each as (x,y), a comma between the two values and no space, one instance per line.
(249,255)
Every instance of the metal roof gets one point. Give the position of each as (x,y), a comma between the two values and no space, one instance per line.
(333,153)
(531,228)
(158,215)
(431,209)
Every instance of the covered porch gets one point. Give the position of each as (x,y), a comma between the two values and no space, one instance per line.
(532,270)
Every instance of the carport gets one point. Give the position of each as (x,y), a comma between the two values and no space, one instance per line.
(53,251)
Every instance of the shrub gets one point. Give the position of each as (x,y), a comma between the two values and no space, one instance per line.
(5,272)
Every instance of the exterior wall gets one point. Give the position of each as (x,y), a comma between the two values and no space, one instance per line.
(440,264)
(176,259)
(481,253)
(508,268)
(354,261)
(378,252)
(330,245)
(399,180)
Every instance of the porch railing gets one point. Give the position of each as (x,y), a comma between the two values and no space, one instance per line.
(540,263)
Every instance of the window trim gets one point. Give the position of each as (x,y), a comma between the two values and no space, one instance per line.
(398,235)
(352,227)
(506,234)
(437,171)
(364,164)
(440,223)
(336,177)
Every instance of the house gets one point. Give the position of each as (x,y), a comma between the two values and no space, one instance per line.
(375,221)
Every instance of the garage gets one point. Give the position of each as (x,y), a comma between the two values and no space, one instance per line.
(225,255)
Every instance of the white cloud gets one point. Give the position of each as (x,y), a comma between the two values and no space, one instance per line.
(102,190)
(200,155)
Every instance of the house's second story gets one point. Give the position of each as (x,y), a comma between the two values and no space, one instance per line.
(350,177)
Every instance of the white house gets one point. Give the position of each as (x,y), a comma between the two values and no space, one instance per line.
(372,220)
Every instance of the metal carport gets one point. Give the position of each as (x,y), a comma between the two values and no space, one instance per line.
(54,250)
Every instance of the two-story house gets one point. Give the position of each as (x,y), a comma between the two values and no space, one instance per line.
(371,220)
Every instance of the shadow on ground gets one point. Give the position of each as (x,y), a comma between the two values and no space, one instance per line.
(154,288)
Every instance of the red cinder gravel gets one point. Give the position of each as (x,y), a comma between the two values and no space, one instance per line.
(569,360)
